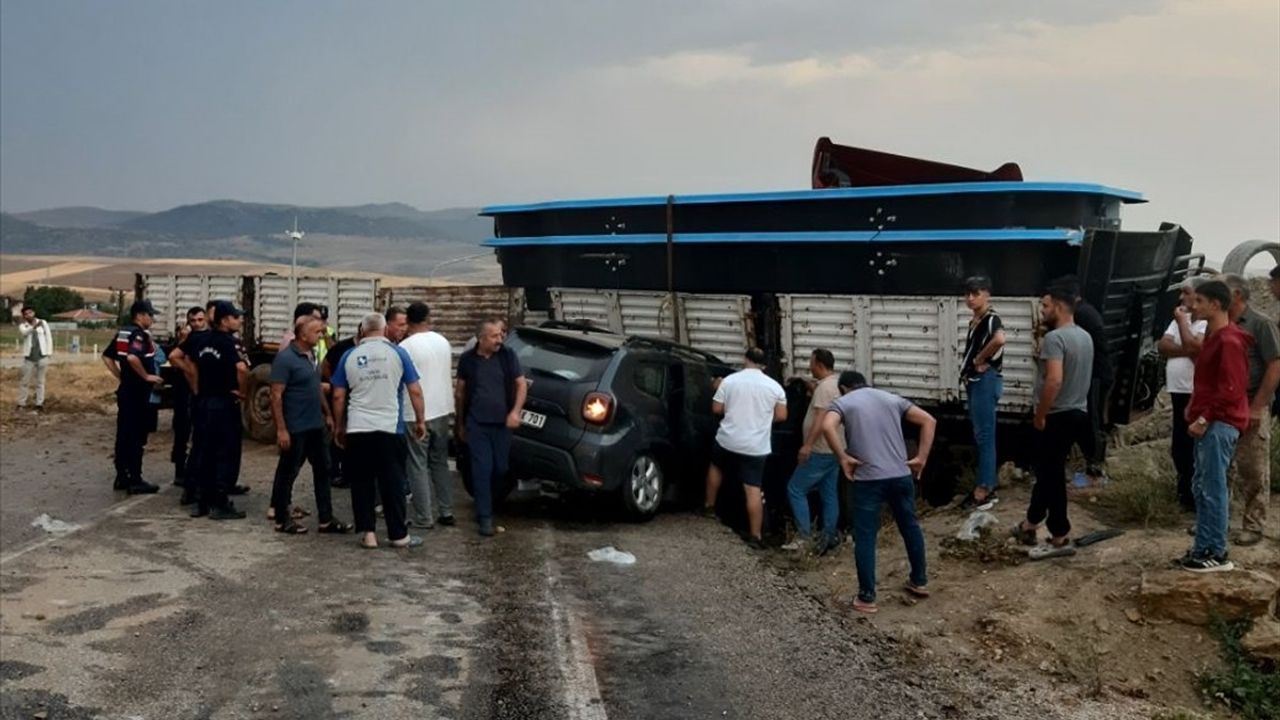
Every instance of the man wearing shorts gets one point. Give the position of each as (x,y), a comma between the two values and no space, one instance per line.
(751,402)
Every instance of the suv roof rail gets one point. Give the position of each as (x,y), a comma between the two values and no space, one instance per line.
(582,325)
(670,344)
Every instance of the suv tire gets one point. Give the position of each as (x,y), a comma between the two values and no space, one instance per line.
(643,487)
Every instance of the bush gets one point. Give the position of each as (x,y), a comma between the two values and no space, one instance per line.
(1246,687)
(50,300)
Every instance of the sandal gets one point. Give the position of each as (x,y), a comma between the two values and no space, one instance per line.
(863,606)
(411,541)
(1024,537)
(297,513)
(363,546)
(334,527)
(917,590)
(292,528)
(1049,550)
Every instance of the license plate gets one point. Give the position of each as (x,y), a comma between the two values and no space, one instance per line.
(532,419)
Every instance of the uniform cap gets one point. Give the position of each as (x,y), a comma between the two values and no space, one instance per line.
(141,307)
(224,308)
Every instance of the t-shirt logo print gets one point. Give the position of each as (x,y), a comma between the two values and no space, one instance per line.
(362,361)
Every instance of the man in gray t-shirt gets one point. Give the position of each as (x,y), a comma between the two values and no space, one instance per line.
(875,459)
(1072,346)
(1063,373)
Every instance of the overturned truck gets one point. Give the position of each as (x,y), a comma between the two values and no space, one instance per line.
(868,263)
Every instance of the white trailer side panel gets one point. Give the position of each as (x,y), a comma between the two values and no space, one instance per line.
(908,345)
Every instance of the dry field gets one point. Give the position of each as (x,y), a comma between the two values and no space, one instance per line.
(96,277)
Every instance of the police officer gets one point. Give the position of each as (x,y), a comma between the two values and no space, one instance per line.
(220,374)
(131,358)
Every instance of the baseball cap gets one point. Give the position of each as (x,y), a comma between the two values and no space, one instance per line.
(224,308)
(142,307)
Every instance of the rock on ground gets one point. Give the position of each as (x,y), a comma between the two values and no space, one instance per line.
(1199,599)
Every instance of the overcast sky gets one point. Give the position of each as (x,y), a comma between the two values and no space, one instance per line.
(147,105)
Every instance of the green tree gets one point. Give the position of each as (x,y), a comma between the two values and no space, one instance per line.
(48,300)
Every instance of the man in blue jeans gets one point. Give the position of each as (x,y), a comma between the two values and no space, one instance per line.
(816,465)
(489,397)
(983,384)
(1216,417)
(875,460)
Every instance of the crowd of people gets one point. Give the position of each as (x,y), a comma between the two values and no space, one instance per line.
(371,413)
(1223,372)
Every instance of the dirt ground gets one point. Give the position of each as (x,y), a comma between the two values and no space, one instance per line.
(1059,638)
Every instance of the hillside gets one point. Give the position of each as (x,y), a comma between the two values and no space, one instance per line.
(78,217)
(387,237)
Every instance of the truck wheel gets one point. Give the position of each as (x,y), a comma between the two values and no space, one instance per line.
(256,410)
(643,488)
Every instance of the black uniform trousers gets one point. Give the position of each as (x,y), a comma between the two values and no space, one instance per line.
(217,460)
(133,413)
(182,401)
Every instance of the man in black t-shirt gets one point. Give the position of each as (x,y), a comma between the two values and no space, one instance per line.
(220,372)
(182,398)
(131,358)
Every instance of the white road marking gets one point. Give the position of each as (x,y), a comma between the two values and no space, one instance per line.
(115,510)
(573,657)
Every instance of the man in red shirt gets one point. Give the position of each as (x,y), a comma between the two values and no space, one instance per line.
(1216,416)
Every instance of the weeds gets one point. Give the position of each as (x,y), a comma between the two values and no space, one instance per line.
(1142,489)
(1247,687)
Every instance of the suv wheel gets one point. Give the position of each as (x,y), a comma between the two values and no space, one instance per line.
(643,487)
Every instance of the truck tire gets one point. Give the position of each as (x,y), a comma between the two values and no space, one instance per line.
(256,409)
(1241,254)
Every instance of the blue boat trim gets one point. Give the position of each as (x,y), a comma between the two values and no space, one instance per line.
(1067,235)
(890,191)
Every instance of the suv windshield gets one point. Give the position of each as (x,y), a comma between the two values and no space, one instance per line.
(569,361)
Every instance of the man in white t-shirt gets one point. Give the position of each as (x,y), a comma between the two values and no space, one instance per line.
(751,402)
(1181,344)
(428,460)
(373,375)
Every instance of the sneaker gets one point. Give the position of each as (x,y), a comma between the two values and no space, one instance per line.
(238,490)
(795,545)
(227,512)
(199,510)
(865,606)
(121,483)
(447,521)
(709,512)
(826,544)
(486,528)
(142,487)
(1206,563)
(1247,538)
(755,543)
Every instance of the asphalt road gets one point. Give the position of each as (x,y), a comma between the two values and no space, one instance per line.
(146,613)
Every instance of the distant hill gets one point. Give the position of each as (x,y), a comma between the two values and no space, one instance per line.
(389,237)
(230,218)
(78,217)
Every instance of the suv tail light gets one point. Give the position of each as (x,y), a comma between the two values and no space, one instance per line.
(597,408)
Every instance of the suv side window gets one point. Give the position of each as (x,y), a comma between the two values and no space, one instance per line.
(697,392)
(650,378)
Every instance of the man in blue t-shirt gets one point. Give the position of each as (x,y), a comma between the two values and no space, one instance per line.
(367,387)
(875,460)
(301,415)
(489,397)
